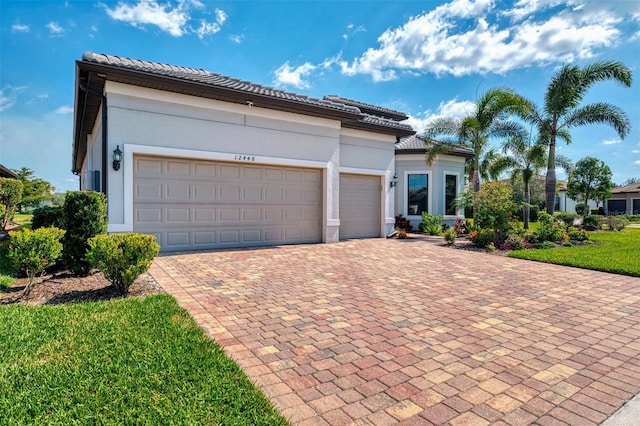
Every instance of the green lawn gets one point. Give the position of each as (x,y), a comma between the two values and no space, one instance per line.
(23,218)
(130,361)
(619,253)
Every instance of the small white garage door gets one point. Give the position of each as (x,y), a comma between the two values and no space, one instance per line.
(192,204)
(359,206)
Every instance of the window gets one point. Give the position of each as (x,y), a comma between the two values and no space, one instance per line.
(450,192)
(417,191)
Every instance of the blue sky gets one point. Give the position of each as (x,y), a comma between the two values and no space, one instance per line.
(425,58)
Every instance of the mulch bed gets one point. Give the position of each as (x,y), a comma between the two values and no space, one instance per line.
(63,287)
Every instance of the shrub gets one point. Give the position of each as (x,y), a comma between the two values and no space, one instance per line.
(34,251)
(431,224)
(546,245)
(483,238)
(533,213)
(122,257)
(569,219)
(450,236)
(593,222)
(10,197)
(494,207)
(577,234)
(514,241)
(581,209)
(6,281)
(7,267)
(47,216)
(615,223)
(550,228)
(85,216)
(403,223)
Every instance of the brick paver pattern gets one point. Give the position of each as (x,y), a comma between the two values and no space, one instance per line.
(402,331)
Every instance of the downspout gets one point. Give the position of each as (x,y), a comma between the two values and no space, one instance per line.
(103,104)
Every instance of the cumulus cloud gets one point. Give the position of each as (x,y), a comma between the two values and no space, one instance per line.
(55,29)
(169,18)
(20,28)
(286,75)
(450,109)
(463,37)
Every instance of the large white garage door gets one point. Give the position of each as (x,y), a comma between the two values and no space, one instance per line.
(191,204)
(359,206)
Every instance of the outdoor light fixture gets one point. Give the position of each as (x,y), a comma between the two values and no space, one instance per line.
(117,158)
(394,180)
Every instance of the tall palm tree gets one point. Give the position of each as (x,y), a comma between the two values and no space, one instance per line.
(524,159)
(490,119)
(562,110)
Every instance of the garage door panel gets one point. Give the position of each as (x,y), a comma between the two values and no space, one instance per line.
(360,206)
(200,204)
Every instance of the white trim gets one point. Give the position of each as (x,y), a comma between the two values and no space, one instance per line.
(357,171)
(444,194)
(129,150)
(405,195)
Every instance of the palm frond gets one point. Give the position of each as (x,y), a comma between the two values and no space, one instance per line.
(600,112)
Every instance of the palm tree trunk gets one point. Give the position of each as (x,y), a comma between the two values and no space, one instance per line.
(476,189)
(550,180)
(527,201)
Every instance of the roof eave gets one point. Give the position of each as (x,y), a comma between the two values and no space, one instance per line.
(370,127)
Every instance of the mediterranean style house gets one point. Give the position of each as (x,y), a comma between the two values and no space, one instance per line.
(202,160)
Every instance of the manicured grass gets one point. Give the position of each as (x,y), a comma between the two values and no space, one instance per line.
(618,253)
(23,218)
(130,361)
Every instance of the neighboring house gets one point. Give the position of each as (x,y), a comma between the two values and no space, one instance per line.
(7,173)
(566,204)
(624,199)
(209,161)
(430,189)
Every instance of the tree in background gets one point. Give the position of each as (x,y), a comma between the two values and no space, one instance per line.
(590,179)
(34,190)
(562,110)
(10,196)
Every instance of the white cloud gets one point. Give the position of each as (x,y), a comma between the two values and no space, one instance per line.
(65,109)
(171,19)
(207,28)
(353,29)
(20,28)
(55,28)
(9,96)
(464,37)
(635,151)
(611,142)
(637,162)
(451,109)
(286,75)
(237,38)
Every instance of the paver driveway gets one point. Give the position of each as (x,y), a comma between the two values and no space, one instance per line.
(383,331)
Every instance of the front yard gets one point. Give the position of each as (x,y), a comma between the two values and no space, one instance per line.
(128,361)
(618,252)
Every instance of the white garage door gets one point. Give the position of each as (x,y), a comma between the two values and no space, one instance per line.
(191,204)
(359,206)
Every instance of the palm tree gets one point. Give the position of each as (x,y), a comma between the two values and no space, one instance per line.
(489,120)
(562,110)
(524,159)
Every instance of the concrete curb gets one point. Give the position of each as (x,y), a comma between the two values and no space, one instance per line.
(628,415)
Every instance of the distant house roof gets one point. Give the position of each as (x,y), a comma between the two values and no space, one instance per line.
(94,69)
(415,144)
(625,189)
(369,108)
(6,173)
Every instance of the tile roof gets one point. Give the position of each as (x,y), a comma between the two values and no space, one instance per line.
(6,173)
(369,108)
(418,144)
(632,187)
(212,79)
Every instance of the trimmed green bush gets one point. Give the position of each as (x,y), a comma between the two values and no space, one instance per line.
(567,218)
(85,216)
(10,197)
(34,251)
(122,257)
(431,224)
(550,228)
(450,236)
(546,245)
(6,281)
(581,209)
(47,216)
(494,208)
(592,222)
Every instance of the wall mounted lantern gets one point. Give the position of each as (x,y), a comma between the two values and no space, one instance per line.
(117,158)
(394,180)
